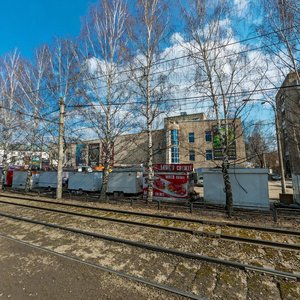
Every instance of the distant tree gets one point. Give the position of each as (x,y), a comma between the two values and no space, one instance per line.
(257,146)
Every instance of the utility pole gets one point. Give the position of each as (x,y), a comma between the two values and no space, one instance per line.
(60,148)
(280,156)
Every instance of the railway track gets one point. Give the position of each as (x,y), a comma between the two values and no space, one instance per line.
(157,226)
(159,249)
(162,217)
(42,207)
(150,221)
(273,214)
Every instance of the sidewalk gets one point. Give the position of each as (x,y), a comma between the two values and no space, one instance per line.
(275,189)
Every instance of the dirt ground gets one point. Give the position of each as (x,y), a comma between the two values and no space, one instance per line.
(28,273)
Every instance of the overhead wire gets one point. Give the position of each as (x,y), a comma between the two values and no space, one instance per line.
(71,82)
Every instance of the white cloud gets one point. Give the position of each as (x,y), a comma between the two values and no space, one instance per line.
(241,7)
(177,38)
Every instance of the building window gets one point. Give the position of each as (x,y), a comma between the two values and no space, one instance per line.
(208,155)
(174,146)
(191,137)
(208,136)
(174,155)
(192,155)
(174,137)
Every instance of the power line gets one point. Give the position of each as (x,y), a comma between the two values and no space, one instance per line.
(18,111)
(183,66)
(71,82)
(237,42)
(242,93)
(141,102)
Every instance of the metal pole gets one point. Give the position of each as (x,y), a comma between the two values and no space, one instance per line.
(60,148)
(280,156)
(278,138)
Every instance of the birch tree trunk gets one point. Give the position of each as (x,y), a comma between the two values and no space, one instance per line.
(147,33)
(103,55)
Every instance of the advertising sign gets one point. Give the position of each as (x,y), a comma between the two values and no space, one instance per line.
(35,161)
(169,186)
(217,147)
(94,152)
(80,154)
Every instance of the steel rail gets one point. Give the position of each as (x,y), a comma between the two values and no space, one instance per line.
(167,288)
(188,255)
(199,221)
(168,228)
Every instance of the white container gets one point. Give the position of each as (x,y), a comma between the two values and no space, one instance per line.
(20,177)
(125,181)
(48,179)
(249,187)
(89,182)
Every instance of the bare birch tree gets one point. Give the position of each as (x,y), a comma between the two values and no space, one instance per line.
(62,74)
(221,71)
(11,122)
(104,90)
(282,21)
(34,94)
(281,36)
(148,30)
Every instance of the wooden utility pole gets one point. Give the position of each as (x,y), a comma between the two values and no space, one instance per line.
(60,148)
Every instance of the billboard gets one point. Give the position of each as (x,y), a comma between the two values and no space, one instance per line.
(168,186)
(171,181)
(217,146)
(94,153)
(80,155)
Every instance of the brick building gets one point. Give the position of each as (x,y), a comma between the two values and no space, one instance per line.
(288,113)
(184,139)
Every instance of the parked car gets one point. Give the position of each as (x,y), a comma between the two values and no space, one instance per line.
(275,177)
(199,181)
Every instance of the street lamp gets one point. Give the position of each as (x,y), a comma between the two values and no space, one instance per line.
(278,138)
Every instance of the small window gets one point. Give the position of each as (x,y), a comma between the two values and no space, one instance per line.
(192,155)
(208,136)
(208,155)
(191,137)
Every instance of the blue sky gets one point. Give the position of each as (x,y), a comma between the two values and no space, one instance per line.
(27,24)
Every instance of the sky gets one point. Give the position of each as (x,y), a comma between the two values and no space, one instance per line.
(28,24)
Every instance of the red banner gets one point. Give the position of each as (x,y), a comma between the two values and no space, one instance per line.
(170,186)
